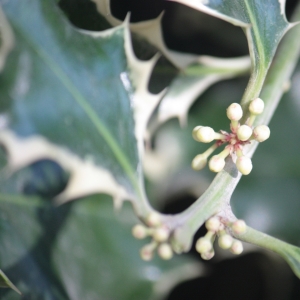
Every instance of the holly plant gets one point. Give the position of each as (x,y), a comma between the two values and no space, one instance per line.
(99,126)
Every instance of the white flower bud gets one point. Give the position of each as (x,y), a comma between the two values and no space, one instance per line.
(225,241)
(203,134)
(165,251)
(261,133)
(146,252)
(161,234)
(139,231)
(208,255)
(213,224)
(203,245)
(234,112)
(239,226)
(256,106)
(216,163)
(199,162)
(244,164)
(244,132)
(194,133)
(237,247)
(153,219)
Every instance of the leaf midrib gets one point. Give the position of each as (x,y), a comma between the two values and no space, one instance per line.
(257,36)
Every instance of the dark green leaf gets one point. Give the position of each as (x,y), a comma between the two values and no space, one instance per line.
(81,250)
(104,257)
(67,86)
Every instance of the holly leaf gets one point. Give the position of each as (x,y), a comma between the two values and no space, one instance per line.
(151,31)
(97,235)
(76,250)
(61,86)
(198,72)
(254,17)
(193,81)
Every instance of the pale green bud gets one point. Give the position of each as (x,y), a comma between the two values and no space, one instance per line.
(216,163)
(225,241)
(153,219)
(236,247)
(213,224)
(208,255)
(161,234)
(203,134)
(244,164)
(194,133)
(234,112)
(239,226)
(244,132)
(199,162)
(256,106)
(146,252)
(203,245)
(165,251)
(139,231)
(261,133)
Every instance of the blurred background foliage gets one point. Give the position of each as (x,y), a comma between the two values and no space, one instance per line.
(268,199)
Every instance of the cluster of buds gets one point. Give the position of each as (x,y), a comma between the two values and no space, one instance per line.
(215,228)
(160,235)
(240,136)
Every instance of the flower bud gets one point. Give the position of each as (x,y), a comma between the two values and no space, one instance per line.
(146,252)
(153,219)
(213,224)
(139,231)
(216,163)
(199,162)
(237,247)
(256,106)
(244,165)
(165,251)
(225,241)
(244,132)
(261,133)
(161,234)
(203,245)
(208,255)
(203,134)
(234,112)
(194,133)
(239,226)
